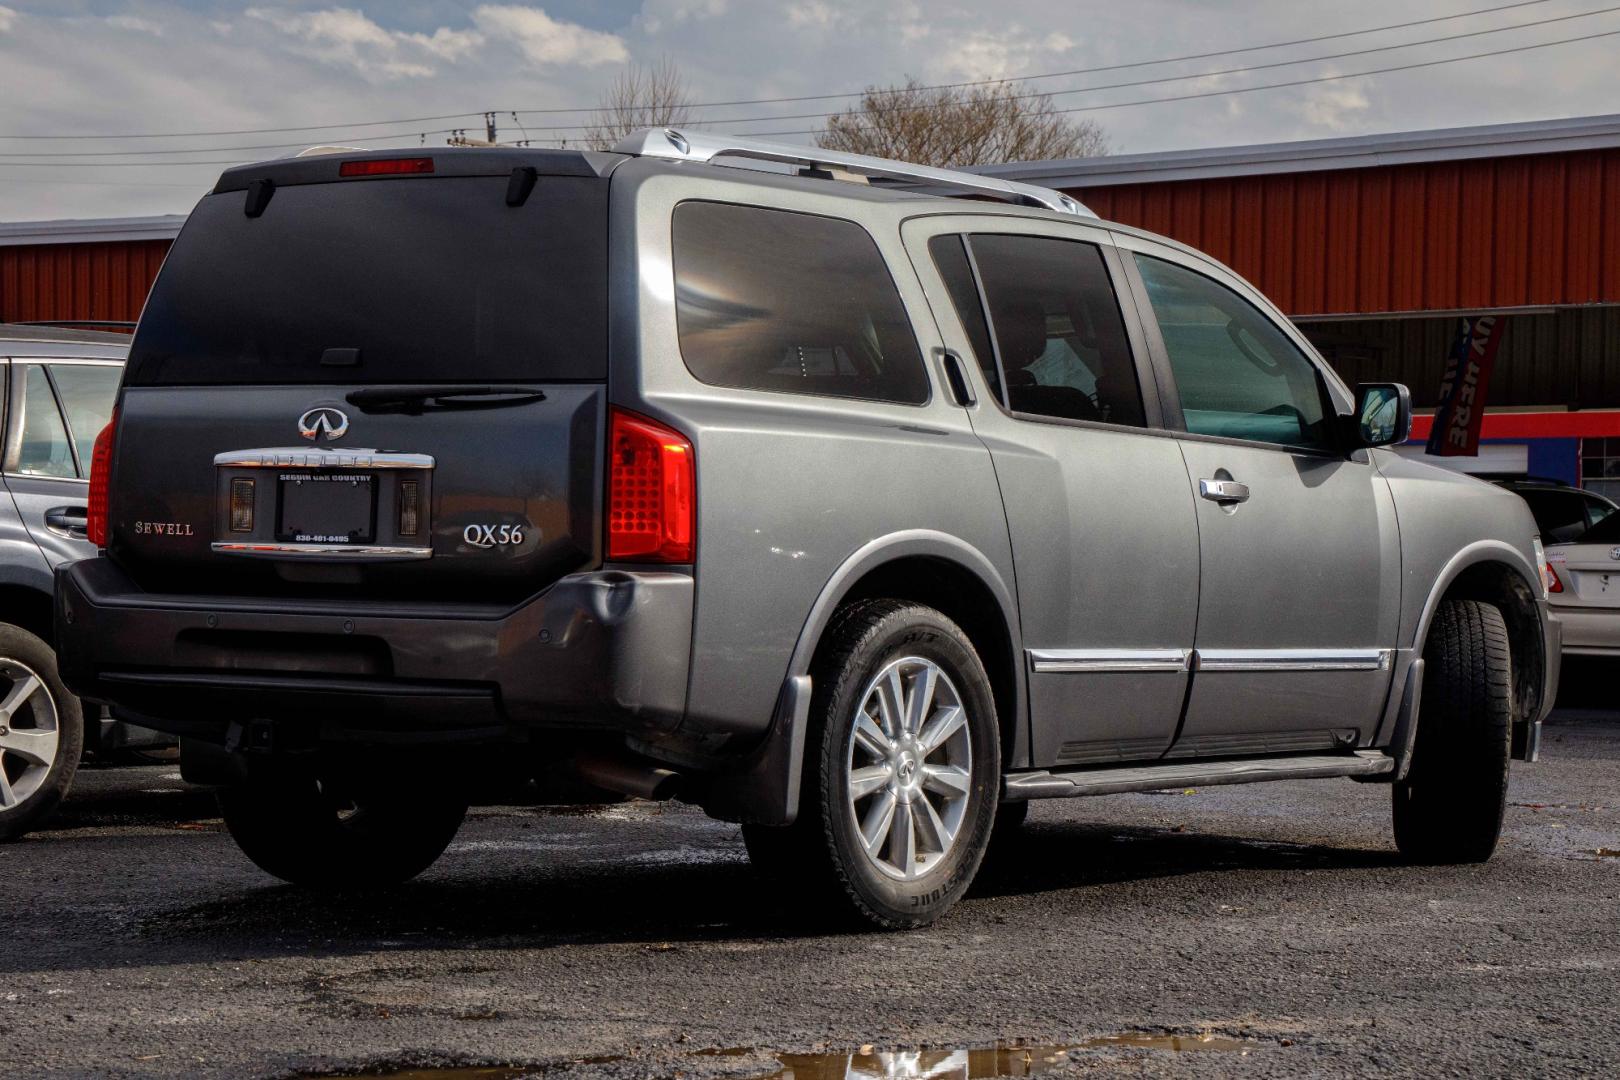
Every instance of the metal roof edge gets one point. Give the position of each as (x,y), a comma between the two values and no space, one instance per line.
(90,230)
(1316,155)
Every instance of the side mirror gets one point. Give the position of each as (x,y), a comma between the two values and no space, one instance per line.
(1383,414)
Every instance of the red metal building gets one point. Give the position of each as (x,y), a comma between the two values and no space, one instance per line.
(1375,244)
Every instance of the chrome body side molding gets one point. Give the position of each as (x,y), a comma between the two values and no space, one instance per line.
(1104,661)
(705,146)
(299,457)
(1294,659)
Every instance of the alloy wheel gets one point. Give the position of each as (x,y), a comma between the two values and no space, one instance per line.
(909,767)
(30,732)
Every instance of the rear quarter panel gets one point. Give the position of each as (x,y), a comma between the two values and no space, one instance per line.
(790,488)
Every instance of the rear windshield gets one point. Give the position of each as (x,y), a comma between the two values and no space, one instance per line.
(367,281)
(1606,531)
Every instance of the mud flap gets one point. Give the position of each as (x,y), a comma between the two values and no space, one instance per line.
(763,789)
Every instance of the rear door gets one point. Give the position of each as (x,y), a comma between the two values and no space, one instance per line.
(56,408)
(1300,555)
(388,382)
(1104,542)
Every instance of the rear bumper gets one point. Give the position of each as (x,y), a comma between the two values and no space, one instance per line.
(1590,631)
(607,649)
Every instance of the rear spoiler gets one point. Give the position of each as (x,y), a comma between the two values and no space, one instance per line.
(326,167)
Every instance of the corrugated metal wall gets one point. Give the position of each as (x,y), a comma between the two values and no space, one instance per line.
(78,281)
(1496,232)
(1569,357)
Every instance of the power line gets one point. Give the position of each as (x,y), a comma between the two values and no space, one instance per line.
(1095,70)
(900,94)
(1293,82)
(785,100)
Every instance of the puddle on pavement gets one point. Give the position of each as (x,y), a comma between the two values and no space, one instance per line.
(1602,852)
(983,1063)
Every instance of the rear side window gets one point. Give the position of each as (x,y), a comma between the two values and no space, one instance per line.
(950,256)
(87,392)
(1560,515)
(1059,335)
(384,281)
(775,300)
(44,447)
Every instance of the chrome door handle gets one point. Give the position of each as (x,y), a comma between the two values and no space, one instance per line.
(1223,491)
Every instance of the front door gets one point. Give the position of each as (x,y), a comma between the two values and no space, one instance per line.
(1298,544)
(1103,536)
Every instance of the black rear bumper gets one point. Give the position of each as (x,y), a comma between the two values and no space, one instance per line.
(606,650)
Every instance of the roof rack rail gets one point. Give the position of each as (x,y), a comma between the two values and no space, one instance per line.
(705,146)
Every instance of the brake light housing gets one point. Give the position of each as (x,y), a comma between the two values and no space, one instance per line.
(410,166)
(98,511)
(652,493)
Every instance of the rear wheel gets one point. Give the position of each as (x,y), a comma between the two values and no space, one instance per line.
(1449,808)
(903,768)
(331,829)
(41,732)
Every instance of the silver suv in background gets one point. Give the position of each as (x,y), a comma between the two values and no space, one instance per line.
(59,386)
(858,515)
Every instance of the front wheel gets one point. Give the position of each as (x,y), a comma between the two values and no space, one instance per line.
(1449,808)
(904,768)
(330,829)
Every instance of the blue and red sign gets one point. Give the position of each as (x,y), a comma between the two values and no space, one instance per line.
(1461,414)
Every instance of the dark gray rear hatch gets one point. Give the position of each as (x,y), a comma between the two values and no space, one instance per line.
(350,344)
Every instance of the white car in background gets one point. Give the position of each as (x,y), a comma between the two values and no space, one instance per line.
(1583,588)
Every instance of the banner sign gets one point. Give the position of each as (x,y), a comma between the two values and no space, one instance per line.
(1462,391)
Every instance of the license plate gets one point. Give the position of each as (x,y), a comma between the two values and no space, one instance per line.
(327,508)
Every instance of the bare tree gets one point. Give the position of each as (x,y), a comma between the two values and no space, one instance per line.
(963,125)
(640,97)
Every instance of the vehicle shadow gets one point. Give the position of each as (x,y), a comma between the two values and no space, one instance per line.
(679,901)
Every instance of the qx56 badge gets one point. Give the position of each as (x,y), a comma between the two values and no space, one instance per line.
(489,536)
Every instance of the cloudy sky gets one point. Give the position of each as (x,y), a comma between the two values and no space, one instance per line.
(374,70)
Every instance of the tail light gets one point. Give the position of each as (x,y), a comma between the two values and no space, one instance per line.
(651,491)
(100,466)
(1554,584)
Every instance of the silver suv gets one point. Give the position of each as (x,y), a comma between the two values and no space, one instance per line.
(852,513)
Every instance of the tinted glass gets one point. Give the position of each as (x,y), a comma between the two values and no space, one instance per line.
(1560,515)
(1058,331)
(773,300)
(45,450)
(1238,374)
(432,280)
(1606,531)
(950,256)
(87,392)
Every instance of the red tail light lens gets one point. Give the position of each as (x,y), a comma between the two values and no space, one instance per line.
(385,166)
(1554,583)
(651,491)
(100,465)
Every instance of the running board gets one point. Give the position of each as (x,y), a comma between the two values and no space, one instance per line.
(1044,784)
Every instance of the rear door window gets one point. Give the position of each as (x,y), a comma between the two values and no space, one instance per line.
(1060,340)
(384,281)
(776,300)
(87,392)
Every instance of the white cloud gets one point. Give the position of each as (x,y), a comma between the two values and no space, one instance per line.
(346,37)
(136,23)
(1335,106)
(8,18)
(545,40)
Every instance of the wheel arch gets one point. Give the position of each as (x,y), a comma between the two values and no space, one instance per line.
(956,579)
(1498,574)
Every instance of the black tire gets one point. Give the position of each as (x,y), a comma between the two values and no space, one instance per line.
(32,791)
(348,831)
(821,854)
(1449,808)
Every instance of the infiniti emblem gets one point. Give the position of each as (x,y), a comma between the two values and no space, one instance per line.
(323,420)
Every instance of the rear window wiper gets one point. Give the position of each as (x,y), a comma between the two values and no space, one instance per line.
(415,400)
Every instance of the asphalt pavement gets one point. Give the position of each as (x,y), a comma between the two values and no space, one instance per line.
(1253,931)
